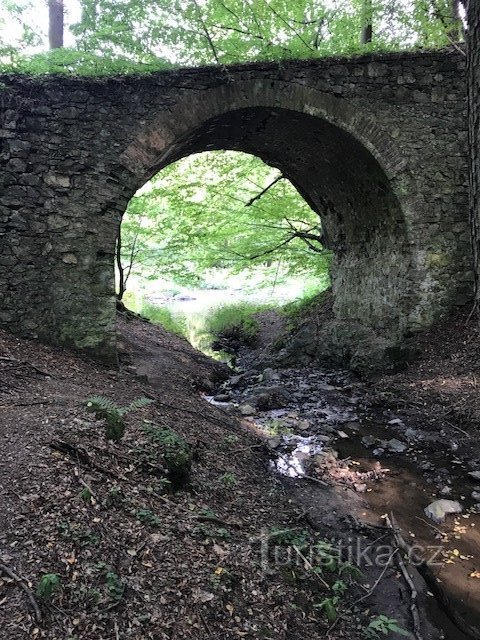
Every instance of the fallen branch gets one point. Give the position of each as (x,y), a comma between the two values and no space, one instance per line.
(413,598)
(21,583)
(249,448)
(431,581)
(316,480)
(82,458)
(28,364)
(32,403)
(215,520)
(454,426)
(310,566)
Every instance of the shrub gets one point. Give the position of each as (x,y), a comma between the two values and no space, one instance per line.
(176,453)
(164,317)
(235,323)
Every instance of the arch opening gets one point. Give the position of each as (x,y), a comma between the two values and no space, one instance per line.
(218,231)
(364,225)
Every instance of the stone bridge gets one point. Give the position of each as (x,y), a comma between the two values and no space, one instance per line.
(376,144)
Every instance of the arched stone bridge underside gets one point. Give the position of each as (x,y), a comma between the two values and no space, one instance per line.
(377,145)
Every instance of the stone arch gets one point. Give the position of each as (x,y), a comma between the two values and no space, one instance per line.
(376,143)
(347,168)
(148,152)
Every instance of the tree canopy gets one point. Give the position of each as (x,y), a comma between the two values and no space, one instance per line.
(107,36)
(220,209)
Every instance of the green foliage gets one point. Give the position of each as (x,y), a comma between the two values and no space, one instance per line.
(329,607)
(49,583)
(162,316)
(148,517)
(276,427)
(176,452)
(235,321)
(115,586)
(382,625)
(135,36)
(289,537)
(228,480)
(86,495)
(200,213)
(214,533)
(113,415)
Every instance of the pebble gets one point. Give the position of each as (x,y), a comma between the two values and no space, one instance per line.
(438,509)
(247,410)
(395,446)
(360,487)
(222,397)
(368,441)
(274,443)
(476,496)
(474,474)
(235,380)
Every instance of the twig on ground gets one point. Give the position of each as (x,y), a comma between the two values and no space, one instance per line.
(432,526)
(215,520)
(310,566)
(454,426)
(22,584)
(28,364)
(82,458)
(413,598)
(252,446)
(317,480)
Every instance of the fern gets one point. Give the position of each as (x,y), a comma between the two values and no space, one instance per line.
(176,453)
(49,583)
(105,409)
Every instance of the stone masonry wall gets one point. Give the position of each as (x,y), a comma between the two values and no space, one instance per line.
(376,144)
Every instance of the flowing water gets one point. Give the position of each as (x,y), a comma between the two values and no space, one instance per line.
(327,432)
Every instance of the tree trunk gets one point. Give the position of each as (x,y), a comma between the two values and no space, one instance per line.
(55,23)
(455,32)
(366,34)
(121,270)
(474,132)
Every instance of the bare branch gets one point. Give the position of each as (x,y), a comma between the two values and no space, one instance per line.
(207,33)
(264,191)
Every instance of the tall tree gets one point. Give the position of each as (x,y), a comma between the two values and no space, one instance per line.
(366,33)
(474,128)
(55,23)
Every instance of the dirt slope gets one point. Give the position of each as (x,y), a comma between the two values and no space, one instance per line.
(133,560)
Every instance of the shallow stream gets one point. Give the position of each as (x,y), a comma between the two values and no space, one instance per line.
(322,429)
